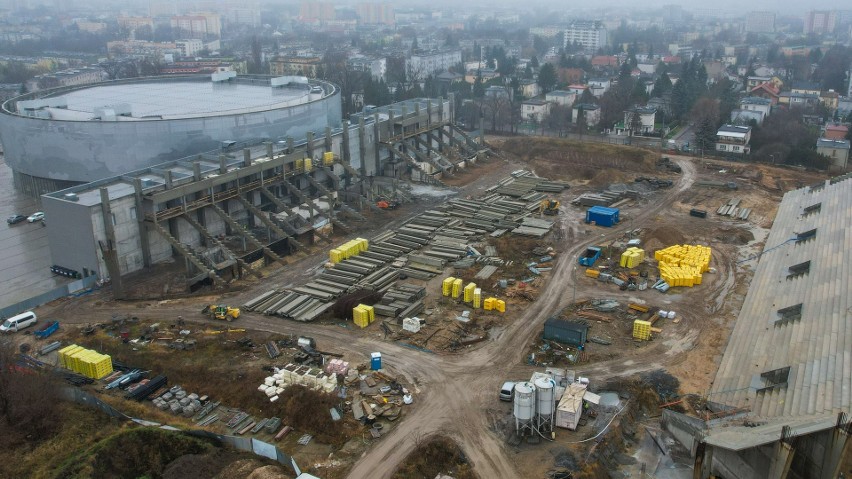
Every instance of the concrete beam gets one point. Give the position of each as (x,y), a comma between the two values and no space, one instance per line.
(269,224)
(190,256)
(212,240)
(247,235)
(280,204)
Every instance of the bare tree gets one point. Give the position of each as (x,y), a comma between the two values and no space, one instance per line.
(29,409)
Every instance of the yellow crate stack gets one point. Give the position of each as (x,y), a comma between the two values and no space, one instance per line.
(335,256)
(363,245)
(308,164)
(348,250)
(85,361)
(468,292)
(632,257)
(683,265)
(642,330)
(477,297)
(457,287)
(500,305)
(360,316)
(328,157)
(371,312)
(447,286)
(65,353)
(300,164)
(488,304)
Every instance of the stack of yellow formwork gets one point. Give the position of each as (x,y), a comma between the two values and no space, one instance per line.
(447,286)
(328,157)
(457,287)
(632,257)
(300,164)
(85,361)
(683,265)
(468,292)
(477,297)
(308,164)
(363,315)
(500,305)
(348,250)
(488,304)
(642,330)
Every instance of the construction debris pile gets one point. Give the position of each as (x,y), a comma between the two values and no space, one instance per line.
(683,265)
(420,249)
(314,378)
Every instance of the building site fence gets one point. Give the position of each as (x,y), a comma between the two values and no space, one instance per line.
(75,287)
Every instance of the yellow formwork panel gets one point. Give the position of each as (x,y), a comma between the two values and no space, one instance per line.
(447,286)
(64,352)
(642,330)
(488,304)
(369,311)
(477,298)
(363,245)
(500,305)
(328,157)
(457,287)
(308,164)
(468,292)
(335,256)
(300,164)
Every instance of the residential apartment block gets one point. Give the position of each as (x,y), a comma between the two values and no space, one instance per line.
(299,66)
(760,22)
(590,34)
(432,63)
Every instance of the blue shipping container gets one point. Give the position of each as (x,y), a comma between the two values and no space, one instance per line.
(375,361)
(602,216)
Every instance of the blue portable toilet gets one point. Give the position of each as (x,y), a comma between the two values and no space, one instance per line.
(602,216)
(375,361)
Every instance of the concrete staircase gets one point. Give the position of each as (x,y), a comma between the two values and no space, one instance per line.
(190,255)
(247,235)
(212,239)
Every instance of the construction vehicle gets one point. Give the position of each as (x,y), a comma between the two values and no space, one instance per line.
(221,312)
(386,204)
(549,207)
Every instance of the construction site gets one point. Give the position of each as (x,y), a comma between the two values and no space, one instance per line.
(350,305)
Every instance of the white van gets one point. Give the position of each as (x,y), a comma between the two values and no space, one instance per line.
(19,322)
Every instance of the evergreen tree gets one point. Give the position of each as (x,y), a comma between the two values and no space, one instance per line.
(547,77)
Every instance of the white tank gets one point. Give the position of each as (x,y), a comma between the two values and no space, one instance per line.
(524,401)
(545,397)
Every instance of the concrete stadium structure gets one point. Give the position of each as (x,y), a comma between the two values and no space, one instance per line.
(222,212)
(57,138)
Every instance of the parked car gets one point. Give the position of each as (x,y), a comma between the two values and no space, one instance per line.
(506,391)
(15,219)
(37,216)
(19,322)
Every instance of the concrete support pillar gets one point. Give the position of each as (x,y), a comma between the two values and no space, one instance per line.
(289,145)
(269,152)
(362,149)
(309,146)
(108,248)
(452,106)
(377,143)
(429,112)
(167,176)
(344,147)
(328,138)
(223,164)
(780,463)
(196,171)
(140,219)
(246,157)
(481,131)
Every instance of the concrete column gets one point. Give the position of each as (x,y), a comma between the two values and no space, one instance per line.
(328,138)
(167,175)
(223,164)
(376,143)
(196,171)
(481,131)
(452,99)
(289,145)
(268,149)
(779,465)
(429,112)
(344,147)
(140,219)
(309,146)
(246,157)
(362,150)
(110,254)
(441,107)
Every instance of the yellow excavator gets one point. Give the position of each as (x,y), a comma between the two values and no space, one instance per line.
(221,312)
(549,207)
